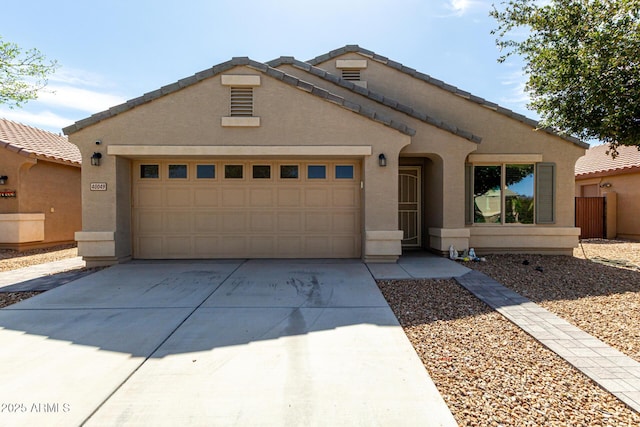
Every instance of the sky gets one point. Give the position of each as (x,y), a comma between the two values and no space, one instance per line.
(115,50)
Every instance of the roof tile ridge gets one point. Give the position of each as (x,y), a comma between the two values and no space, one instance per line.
(377,97)
(445,86)
(220,68)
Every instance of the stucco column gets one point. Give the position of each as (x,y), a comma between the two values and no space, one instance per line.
(96,241)
(382,238)
(453,230)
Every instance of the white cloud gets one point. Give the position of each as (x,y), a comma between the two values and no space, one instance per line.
(71,94)
(44,120)
(77,77)
(517,98)
(78,98)
(461,7)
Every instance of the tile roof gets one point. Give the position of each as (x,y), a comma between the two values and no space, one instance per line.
(225,66)
(319,72)
(439,83)
(38,143)
(597,161)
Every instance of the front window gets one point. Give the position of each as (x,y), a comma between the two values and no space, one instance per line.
(503,194)
(518,194)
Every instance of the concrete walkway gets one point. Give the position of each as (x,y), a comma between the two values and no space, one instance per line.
(214,343)
(39,277)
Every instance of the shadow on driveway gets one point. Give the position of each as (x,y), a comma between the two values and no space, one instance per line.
(224,343)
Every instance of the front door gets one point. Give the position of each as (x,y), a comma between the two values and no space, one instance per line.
(409,206)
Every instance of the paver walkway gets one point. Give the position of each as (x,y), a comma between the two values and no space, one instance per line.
(611,369)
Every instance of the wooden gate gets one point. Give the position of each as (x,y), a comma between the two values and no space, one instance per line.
(590,217)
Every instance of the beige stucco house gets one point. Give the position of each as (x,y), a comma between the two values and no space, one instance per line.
(348,155)
(40,201)
(618,180)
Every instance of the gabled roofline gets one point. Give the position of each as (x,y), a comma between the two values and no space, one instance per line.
(391,103)
(442,85)
(225,66)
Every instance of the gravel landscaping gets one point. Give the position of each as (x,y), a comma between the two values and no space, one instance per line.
(12,260)
(490,372)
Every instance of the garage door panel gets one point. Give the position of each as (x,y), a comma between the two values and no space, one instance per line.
(290,246)
(150,247)
(344,222)
(177,222)
(315,246)
(233,246)
(178,197)
(289,197)
(289,222)
(261,197)
(262,246)
(262,222)
(345,197)
(234,196)
(205,197)
(152,222)
(207,246)
(343,246)
(316,197)
(318,222)
(234,221)
(247,218)
(148,197)
(177,246)
(206,222)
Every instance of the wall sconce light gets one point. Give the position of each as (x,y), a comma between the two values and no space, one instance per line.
(606,185)
(382,160)
(3,179)
(95,159)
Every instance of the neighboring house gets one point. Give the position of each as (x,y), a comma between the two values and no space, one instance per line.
(40,202)
(348,155)
(598,174)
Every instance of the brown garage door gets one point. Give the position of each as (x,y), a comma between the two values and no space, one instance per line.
(246,209)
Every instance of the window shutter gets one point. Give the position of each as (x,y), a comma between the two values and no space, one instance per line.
(468,194)
(545,193)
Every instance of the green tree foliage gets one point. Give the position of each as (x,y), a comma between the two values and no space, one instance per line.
(22,73)
(582,60)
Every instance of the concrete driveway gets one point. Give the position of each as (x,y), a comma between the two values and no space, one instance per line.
(213,343)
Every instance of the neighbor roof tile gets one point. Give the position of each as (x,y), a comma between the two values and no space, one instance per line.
(36,142)
(597,161)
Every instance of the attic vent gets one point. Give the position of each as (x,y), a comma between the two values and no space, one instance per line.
(241,101)
(351,74)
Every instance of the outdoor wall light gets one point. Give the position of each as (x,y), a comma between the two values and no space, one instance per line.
(382,160)
(95,159)
(3,179)
(605,185)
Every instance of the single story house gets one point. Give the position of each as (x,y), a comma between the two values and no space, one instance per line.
(348,155)
(599,175)
(40,199)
